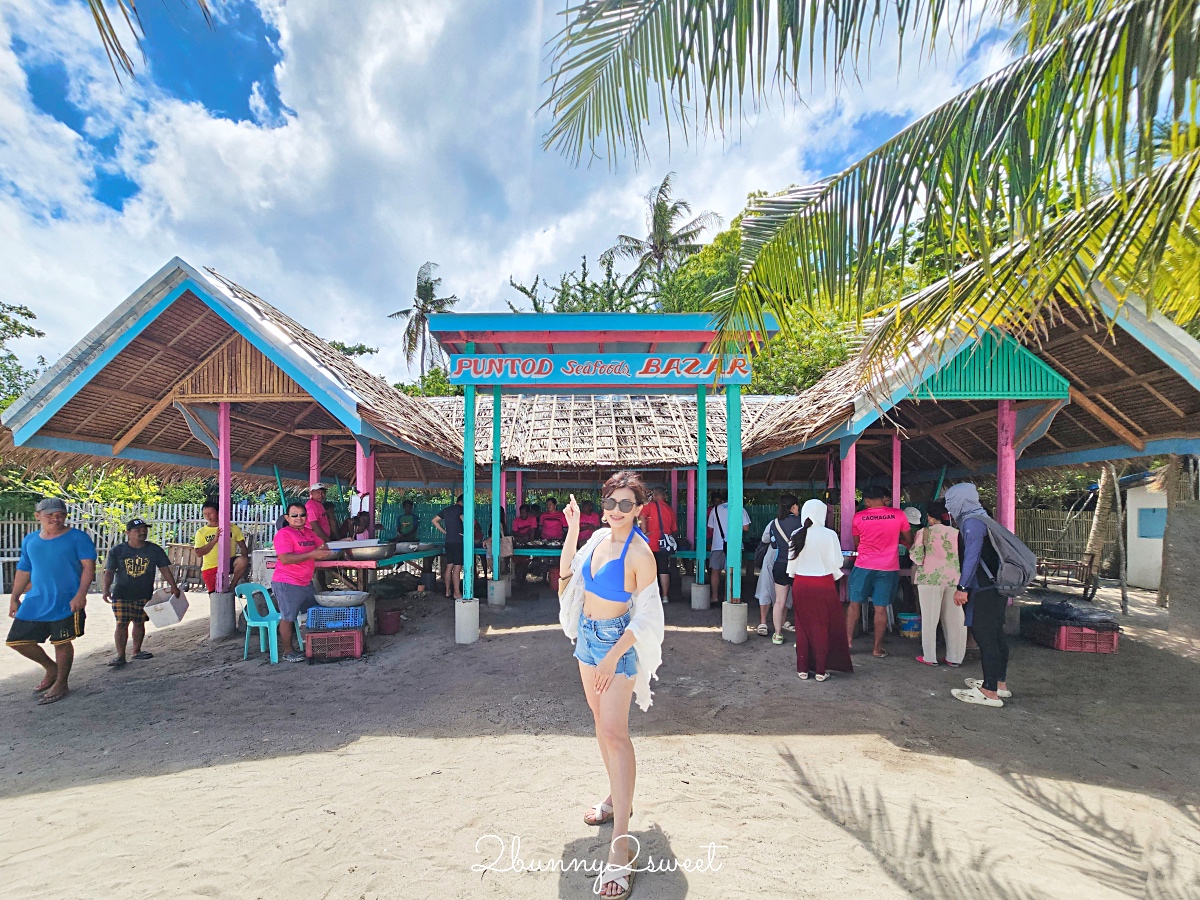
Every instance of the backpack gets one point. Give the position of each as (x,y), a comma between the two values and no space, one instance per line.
(1018,564)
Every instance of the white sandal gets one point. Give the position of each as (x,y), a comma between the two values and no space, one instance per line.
(823,677)
(803,676)
(763,630)
(601,814)
(976,696)
(978,683)
(621,876)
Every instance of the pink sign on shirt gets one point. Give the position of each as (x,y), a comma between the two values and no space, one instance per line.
(878,531)
(295,540)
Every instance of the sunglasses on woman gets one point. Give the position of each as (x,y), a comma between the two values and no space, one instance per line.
(623,505)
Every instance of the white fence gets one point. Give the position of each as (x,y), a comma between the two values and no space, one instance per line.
(170,523)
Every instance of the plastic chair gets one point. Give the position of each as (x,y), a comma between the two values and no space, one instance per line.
(268,623)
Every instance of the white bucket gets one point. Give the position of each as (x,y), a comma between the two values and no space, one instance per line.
(164,608)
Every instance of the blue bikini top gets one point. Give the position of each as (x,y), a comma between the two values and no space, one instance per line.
(609,583)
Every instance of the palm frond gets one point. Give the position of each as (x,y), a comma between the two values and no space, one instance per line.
(118,57)
(987,164)
(702,59)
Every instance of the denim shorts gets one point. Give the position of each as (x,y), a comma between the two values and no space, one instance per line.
(597,637)
(873,585)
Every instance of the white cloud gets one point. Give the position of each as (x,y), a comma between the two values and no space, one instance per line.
(412,136)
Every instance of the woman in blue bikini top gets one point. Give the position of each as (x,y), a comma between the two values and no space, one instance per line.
(606,655)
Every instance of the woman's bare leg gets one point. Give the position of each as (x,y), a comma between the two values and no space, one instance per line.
(587,674)
(781,594)
(613,724)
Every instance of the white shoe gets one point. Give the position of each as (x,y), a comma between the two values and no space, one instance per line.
(976,696)
(978,683)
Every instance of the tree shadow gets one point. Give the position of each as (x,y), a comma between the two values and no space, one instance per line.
(913,853)
(1163,864)
(659,877)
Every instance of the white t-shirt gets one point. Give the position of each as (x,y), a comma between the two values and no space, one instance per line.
(718,542)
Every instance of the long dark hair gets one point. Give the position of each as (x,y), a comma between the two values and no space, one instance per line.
(786,502)
(798,539)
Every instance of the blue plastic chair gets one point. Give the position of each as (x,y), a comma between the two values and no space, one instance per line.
(267,624)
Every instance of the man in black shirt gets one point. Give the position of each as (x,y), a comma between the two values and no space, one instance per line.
(132,566)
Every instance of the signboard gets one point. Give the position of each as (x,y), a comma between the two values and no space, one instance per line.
(602,369)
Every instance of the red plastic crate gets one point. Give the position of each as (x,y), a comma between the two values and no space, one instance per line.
(1071,638)
(330,645)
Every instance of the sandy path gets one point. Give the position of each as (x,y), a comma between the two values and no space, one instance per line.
(200,775)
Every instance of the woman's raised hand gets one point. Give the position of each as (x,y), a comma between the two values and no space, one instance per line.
(571,512)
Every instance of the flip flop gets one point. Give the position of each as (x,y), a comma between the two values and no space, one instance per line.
(923,661)
(45,685)
(52,698)
(882,654)
(116,663)
(601,814)
(143,654)
(975,696)
(977,683)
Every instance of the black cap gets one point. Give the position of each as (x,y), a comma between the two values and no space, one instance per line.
(136,523)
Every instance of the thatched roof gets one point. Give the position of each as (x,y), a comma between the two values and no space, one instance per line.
(142,387)
(583,431)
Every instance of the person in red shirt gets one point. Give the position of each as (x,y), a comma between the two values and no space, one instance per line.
(658,519)
(552,522)
(589,520)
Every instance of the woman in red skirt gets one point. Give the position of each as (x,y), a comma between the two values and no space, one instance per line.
(815,564)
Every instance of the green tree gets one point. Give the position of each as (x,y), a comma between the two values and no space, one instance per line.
(434,383)
(713,269)
(353,351)
(15,378)
(581,293)
(416,330)
(538,303)
(789,363)
(669,239)
(1066,177)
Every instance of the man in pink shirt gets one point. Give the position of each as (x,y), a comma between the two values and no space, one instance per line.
(297,549)
(878,530)
(318,518)
(552,522)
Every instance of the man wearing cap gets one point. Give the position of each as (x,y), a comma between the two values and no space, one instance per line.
(132,566)
(318,517)
(206,548)
(56,568)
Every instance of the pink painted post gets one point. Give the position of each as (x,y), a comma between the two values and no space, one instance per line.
(224,496)
(520,497)
(364,480)
(675,491)
(896,469)
(1006,465)
(314,459)
(691,506)
(849,460)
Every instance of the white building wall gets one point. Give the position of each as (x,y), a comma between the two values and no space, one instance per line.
(1145,515)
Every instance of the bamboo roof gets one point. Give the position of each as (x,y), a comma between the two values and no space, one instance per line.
(1131,387)
(585,431)
(142,387)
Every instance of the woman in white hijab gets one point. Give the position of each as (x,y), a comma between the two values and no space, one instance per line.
(815,564)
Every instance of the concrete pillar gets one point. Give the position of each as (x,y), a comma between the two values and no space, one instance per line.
(466,620)
(701,593)
(733,622)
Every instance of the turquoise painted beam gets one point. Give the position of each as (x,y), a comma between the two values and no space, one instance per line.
(497,496)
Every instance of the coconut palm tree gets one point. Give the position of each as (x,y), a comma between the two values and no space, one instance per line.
(118,58)
(1049,182)
(417,339)
(667,243)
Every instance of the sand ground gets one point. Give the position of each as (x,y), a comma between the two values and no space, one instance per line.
(198,774)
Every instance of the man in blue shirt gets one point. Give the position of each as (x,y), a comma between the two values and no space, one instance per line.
(57,565)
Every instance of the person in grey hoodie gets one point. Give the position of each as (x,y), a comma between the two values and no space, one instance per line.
(979,559)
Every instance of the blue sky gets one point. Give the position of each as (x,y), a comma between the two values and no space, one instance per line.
(319,151)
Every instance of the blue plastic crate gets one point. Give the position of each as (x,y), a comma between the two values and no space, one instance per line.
(339,618)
